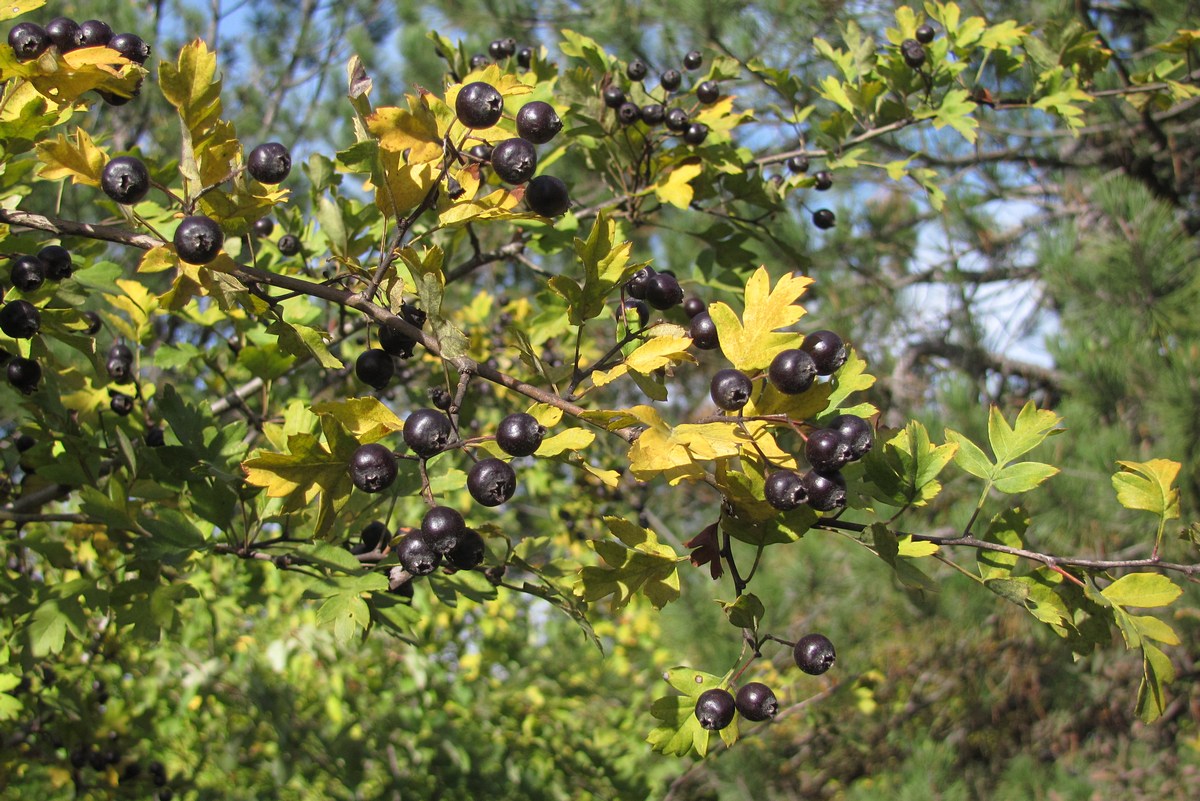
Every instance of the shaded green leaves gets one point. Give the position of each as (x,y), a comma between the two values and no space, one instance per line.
(679,731)
(605,264)
(903,471)
(638,563)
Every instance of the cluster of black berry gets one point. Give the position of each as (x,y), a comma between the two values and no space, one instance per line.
(677,119)
(288,244)
(375,367)
(19,318)
(500,49)
(30,40)
(913,50)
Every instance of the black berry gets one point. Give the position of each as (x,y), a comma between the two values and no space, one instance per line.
(374,368)
(653,114)
(629,113)
(693,60)
(708,92)
(538,122)
(119,364)
(478,61)
(58,262)
(19,319)
(696,133)
(372,534)
(637,310)
(756,702)
(827,350)
(491,481)
(440,398)
(826,451)
(693,306)
(427,432)
(372,467)
(547,196)
(24,374)
(826,491)
(664,292)
(913,53)
(498,49)
(792,371)
(417,555)
(798,164)
(442,526)
(155,437)
(613,96)
(198,239)
(468,550)
(28,40)
(670,80)
(704,332)
(715,709)
(65,33)
(677,120)
(525,57)
(479,105)
(639,283)
(93,322)
(95,32)
(288,245)
(730,389)
(27,273)
(636,70)
(132,46)
(263,226)
(823,219)
(925,33)
(514,160)
(824,180)
(520,434)
(785,490)
(814,654)
(481,153)
(395,342)
(855,432)
(269,163)
(121,404)
(125,179)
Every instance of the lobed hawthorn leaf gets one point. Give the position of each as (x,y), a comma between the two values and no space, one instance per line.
(1142,589)
(414,129)
(654,353)
(1146,486)
(16,8)
(78,159)
(675,187)
(605,264)
(752,342)
(1007,528)
(638,563)
(1157,670)
(903,470)
(366,419)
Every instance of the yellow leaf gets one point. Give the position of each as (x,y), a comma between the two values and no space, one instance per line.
(907,547)
(361,416)
(751,344)
(677,189)
(78,159)
(648,357)
(98,56)
(573,439)
(407,184)
(9,10)
(398,129)
(158,259)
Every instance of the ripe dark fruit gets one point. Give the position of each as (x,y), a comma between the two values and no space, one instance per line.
(479,61)
(427,432)
(374,368)
(93,323)
(653,114)
(637,313)
(19,319)
(704,332)
(442,526)
(263,226)
(823,219)
(792,371)
(636,70)
(525,57)
(520,434)
(269,163)
(756,702)
(479,105)
(125,179)
(372,467)
(826,451)
(58,262)
(198,239)
(28,40)
(497,50)
(696,133)
(155,437)
(708,92)
(677,120)
(538,122)
(481,153)
(693,60)
(514,160)
(664,292)
(65,34)
(95,32)
(24,374)
(814,654)
(785,490)
(827,349)
(288,245)
(824,180)
(440,398)
(132,46)
(468,550)
(374,533)
(798,164)
(925,33)
(913,53)
(826,491)
(491,482)
(629,113)
(613,96)
(639,282)
(417,555)
(24,442)
(121,404)
(670,80)
(855,432)
(119,365)
(27,273)
(715,709)
(693,306)
(547,196)
(730,389)
(395,342)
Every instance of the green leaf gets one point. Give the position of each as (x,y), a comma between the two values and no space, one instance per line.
(639,563)
(1032,426)
(1023,476)
(903,470)
(679,731)
(969,456)
(691,682)
(1157,670)
(745,612)
(1143,590)
(1147,486)
(1007,528)
(347,612)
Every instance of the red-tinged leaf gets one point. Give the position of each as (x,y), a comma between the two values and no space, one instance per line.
(706,550)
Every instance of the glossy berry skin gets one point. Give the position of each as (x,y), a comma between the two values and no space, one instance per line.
(826,491)
(198,239)
(28,40)
(785,490)
(913,53)
(525,57)
(374,533)
(442,526)
(637,70)
(132,46)
(826,451)
(121,404)
(653,114)
(693,306)
(827,350)
(538,122)
(520,434)
(269,163)
(119,364)
(58,262)
(441,399)
(715,709)
(514,160)
(427,432)
(93,323)
(677,120)
(467,551)
(925,33)
(664,292)
(670,80)
(479,105)
(792,371)
(478,61)
(24,374)
(814,654)
(491,482)
(693,60)
(498,50)
(65,34)
(824,180)
(730,389)
(797,164)
(756,702)
(629,113)
(263,226)
(372,467)
(27,273)
(481,153)
(707,92)
(547,196)
(703,332)
(855,432)
(95,32)
(395,342)
(20,319)
(637,313)
(824,219)
(695,134)
(417,554)
(125,179)
(639,283)
(374,368)
(288,245)
(613,96)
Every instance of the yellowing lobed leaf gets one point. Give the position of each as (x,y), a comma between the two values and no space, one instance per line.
(367,419)
(676,188)
(78,159)
(652,354)
(191,85)
(398,129)
(1146,486)
(639,563)
(751,343)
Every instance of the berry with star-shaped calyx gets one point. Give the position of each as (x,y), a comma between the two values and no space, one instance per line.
(28,40)
(703,332)
(442,526)
(491,481)
(95,32)
(198,239)
(467,551)
(814,654)
(827,350)
(670,80)
(792,371)
(730,389)
(427,432)
(373,467)
(27,273)
(58,262)
(125,179)
(855,432)
(479,105)
(520,434)
(826,451)
(538,122)
(629,113)
(288,244)
(785,490)
(417,555)
(131,46)
(826,491)
(121,404)
(20,319)
(269,163)
(514,160)
(715,709)
(756,702)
